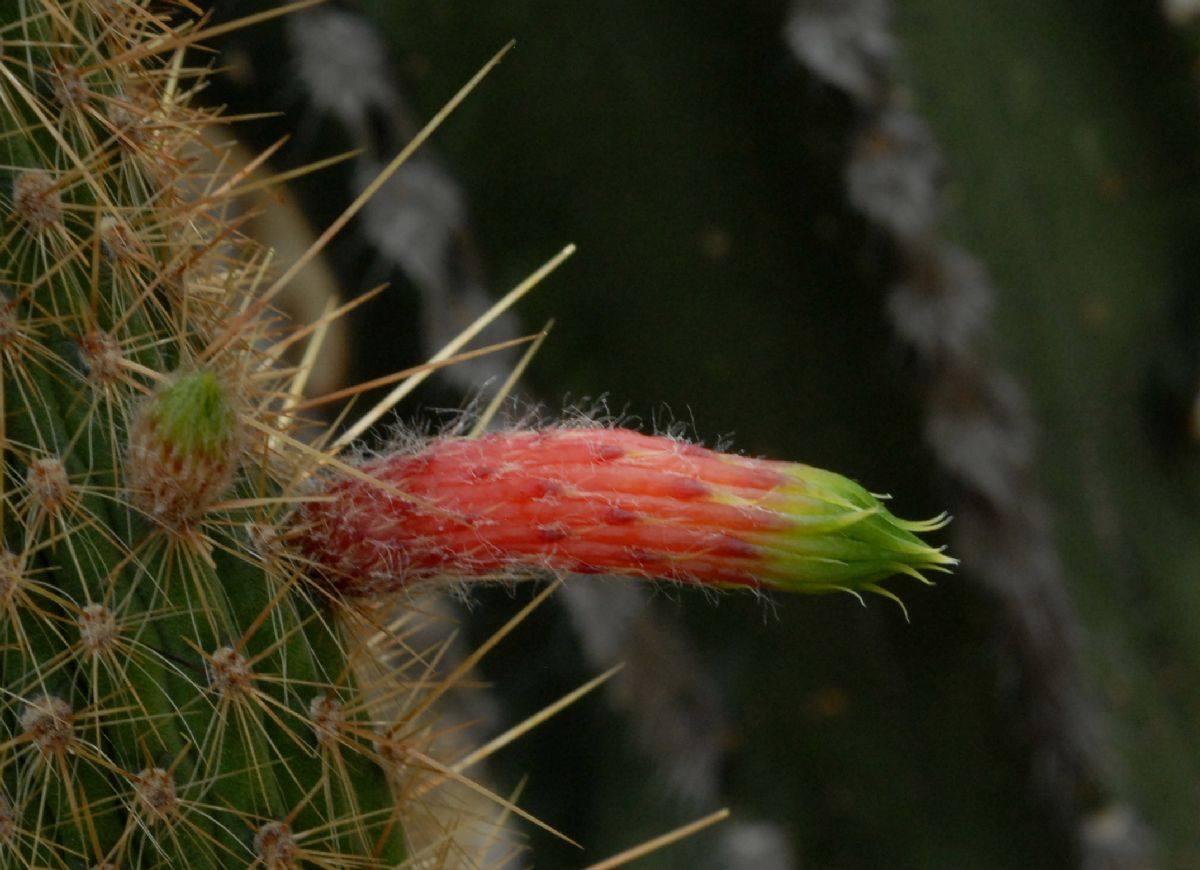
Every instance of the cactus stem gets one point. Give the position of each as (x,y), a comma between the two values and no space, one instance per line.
(133,426)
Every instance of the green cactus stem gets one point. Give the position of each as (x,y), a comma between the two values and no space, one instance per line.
(162,670)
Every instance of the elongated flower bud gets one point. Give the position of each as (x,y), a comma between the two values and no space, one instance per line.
(611,501)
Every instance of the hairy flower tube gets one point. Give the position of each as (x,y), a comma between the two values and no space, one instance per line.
(604,501)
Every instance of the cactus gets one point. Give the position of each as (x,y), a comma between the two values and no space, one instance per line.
(174,696)
(183,685)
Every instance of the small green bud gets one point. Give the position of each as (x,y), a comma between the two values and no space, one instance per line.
(184,447)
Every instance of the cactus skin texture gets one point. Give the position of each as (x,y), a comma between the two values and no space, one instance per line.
(164,668)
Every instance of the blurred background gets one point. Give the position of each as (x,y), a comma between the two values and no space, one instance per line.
(947,249)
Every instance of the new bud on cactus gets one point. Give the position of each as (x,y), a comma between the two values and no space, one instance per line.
(613,501)
(183,448)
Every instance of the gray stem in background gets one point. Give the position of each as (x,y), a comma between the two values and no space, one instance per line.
(977,422)
(418,221)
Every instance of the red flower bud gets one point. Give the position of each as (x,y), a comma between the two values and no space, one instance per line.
(604,501)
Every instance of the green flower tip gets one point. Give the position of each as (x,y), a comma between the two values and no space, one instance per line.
(195,414)
(843,538)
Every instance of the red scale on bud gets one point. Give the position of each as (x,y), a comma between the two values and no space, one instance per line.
(612,501)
